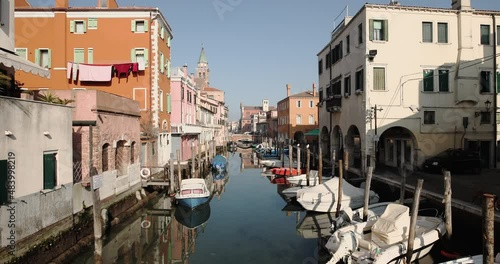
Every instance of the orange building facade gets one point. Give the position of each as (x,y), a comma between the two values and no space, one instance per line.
(297,115)
(119,50)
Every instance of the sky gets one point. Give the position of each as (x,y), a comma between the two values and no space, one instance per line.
(255,47)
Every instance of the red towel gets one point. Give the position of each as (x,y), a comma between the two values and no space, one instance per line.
(135,67)
(123,68)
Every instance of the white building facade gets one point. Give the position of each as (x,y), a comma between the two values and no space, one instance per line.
(399,84)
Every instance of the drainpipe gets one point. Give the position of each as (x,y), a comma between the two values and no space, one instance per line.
(495,86)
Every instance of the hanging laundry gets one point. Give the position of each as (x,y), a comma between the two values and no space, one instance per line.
(141,65)
(135,67)
(123,68)
(75,71)
(69,69)
(95,73)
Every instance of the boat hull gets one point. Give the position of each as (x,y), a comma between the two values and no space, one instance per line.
(192,202)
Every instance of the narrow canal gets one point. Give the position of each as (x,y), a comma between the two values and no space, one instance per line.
(246,221)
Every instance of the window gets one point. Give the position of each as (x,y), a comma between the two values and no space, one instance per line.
(359,80)
(161,101)
(22,53)
(139,55)
(43,58)
(299,105)
(428,80)
(427,32)
(162,62)
(311,120)
(182,93)
(79,55)
(485,34)
(162,33)
(348,44)
(347,85)
(379,78)
(320,66)
(379,30)
(360,33)
(169,104)
(299,119)
(485,82)
(485,118)
(78,26)
(168,41)
(444,80)
(429,117)
(49,170)
(311,104)
(442,32)
(139,26)
(90,55)
(121,158)
(93,23)
(105,157)
(321,94)
(498,35)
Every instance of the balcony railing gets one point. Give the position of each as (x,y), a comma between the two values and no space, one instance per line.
(334,103)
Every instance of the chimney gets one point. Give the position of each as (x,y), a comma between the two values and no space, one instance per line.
(185,70)
(314,89)
(288,87)
(62,3)
(461,4)
(394,3)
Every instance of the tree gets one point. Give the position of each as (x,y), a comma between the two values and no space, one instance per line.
(10,87)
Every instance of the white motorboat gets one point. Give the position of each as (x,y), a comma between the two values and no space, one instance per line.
(384,239)
(302,179)
(323,197)
(193,192)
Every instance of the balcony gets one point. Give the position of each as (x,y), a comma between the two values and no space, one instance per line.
(334,103)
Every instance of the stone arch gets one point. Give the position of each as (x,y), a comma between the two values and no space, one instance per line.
(325,143)
(397,148)
(121,158)
(353,147)
(337,142)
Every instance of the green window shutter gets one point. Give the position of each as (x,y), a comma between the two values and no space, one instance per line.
(169,103)
(133,57)
(84,26)
(49,171)
(146,25)
(4,198)
(72,26)
(146,55)
(22,53)
(49,51)
(162,34)
(93,23)
(37,56)
(162,63)
(78,55)
(386,30)
(168,41)
(90,55)
(371,29)
(168,68)
(498,82)
(133,26)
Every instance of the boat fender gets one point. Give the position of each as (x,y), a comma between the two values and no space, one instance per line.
(145,173)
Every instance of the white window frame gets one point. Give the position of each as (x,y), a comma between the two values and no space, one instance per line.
(25,50)
(311,120)
(385,78)
(161,101)
(311,104)
(298,120)
(82,23)
(299,104)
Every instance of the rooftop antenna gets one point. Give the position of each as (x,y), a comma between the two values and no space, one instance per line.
(346,9)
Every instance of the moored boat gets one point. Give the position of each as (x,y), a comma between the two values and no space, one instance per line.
(193,193)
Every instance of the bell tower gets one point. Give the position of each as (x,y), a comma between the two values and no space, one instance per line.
(202,77)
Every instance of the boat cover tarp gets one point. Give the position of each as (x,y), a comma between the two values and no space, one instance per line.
(219,161)
(393,225)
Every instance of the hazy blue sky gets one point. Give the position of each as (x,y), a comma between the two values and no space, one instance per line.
(255,47)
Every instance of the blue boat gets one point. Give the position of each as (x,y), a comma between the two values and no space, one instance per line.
(219,163)
(193,193)
(192,218)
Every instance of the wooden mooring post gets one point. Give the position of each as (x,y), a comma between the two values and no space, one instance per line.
(290,157)
(178,152)
(403,186)
(413,220)
(368,183)
(341,179)
(447,204)
(488,228)
(193,161)
(308,160)
(171,174)
(298,158)
(199,159)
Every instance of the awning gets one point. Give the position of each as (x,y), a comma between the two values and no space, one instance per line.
(12,60)
(314,132)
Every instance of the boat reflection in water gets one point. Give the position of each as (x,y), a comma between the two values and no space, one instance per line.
(220,181)
(192,218)
(315,225)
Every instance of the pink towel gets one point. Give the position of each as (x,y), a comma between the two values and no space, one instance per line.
(94,73)
(69,69)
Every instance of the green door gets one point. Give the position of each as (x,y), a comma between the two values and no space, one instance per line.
(3,182)
(49,171)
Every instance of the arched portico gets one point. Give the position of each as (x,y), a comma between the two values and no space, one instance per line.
(337,142)
(353,147)
(325,143)
(397,148)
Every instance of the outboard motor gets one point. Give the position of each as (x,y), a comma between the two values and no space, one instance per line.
(344,219)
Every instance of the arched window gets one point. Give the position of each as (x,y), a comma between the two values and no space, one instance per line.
(132,153)
(105,157)
(121,159)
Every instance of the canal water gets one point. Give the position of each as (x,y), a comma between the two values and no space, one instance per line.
(246,221)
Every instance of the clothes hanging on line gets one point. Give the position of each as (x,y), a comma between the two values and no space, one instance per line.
(95,73)
(69,69)
(122,69)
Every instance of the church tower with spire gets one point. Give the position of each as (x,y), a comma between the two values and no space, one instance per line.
(202,77)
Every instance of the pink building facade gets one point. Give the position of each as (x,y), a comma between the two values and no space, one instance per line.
(185,130)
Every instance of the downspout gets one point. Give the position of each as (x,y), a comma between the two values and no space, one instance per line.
(459,54)
(495,87)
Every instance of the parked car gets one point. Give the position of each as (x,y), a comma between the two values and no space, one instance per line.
(454,160)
